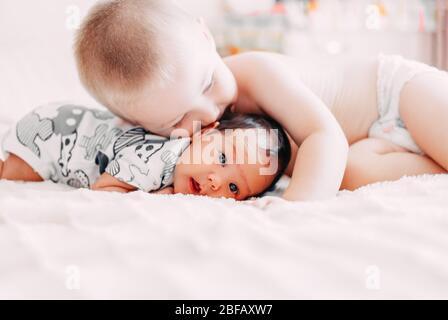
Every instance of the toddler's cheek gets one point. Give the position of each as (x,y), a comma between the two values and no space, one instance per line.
(181,133)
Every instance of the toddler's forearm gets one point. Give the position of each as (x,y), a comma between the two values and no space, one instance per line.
(319,168)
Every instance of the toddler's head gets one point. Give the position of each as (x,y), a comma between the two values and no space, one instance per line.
(240,157)
(153,64)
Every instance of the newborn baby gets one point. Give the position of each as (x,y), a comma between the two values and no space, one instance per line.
(240,157)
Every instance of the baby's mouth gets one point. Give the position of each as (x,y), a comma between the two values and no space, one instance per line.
(195,187)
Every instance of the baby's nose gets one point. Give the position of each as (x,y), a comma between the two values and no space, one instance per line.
(215,182)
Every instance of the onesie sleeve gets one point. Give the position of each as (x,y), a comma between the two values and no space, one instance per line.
(148,165)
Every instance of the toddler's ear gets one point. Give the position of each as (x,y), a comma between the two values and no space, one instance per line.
(206,31)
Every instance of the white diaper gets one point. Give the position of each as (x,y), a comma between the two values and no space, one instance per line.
(393,73)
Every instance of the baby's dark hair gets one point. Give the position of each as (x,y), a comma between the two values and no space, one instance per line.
(236,121)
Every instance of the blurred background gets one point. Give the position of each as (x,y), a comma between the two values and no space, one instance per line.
(36,62)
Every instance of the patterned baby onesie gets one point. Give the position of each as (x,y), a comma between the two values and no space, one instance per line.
(75,145)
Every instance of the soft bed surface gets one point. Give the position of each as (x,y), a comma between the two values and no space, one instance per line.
(384,241)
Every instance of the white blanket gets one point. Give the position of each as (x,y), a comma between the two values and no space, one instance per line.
(384,241)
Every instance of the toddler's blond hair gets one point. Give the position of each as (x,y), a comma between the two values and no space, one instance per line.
(122,45)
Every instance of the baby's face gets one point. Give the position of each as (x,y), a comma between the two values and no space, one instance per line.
(216,165)
(203,88)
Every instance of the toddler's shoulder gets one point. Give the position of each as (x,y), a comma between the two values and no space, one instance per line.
(246,60)
(255,65)
(253,56)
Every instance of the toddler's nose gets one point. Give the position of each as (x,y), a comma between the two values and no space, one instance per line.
(211,114)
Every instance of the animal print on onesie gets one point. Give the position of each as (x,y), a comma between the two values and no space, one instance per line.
(75,145)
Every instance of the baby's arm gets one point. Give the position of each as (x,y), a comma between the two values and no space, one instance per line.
(108,183)
(16,169)
(270,81)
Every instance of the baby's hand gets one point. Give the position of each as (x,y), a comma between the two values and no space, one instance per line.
(168,190)
(265,202)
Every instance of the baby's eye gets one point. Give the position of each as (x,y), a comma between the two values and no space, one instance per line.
(222,159)
(234,188)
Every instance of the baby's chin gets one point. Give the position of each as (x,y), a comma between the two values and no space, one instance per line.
(180,187)
(177,189)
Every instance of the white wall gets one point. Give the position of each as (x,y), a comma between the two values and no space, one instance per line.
(37,65)
(46,20)
(36,59)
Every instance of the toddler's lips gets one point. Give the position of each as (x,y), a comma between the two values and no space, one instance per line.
(195,188)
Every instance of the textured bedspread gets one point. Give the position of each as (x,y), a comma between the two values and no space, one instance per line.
(384,241)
